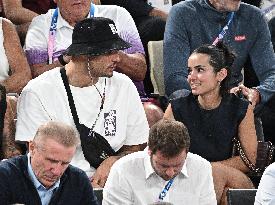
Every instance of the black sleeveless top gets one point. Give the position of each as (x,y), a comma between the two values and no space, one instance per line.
(211,131)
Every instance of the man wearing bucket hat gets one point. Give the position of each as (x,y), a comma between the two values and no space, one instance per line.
(51,33)
(103,105)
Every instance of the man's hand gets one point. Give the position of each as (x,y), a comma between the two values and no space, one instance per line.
(251,94)
(100,177)
(133,65)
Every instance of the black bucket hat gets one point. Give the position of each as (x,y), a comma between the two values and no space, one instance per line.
(95,36)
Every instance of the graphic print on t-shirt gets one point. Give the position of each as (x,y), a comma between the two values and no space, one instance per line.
(110,123)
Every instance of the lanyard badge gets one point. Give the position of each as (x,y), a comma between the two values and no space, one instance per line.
(165,189)
(224,29)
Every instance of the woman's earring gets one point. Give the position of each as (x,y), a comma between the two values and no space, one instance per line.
(219,82)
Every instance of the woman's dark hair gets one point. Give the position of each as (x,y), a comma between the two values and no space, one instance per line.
(220,57)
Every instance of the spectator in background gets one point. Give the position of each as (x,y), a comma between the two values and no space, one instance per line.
(21,12)
(44,176)
(266,190)
(166,172)
(14,69)
(214,118)
(100,100)
(193,23)
(150,22)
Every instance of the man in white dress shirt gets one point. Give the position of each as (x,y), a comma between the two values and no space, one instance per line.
(165,172)
(266,190)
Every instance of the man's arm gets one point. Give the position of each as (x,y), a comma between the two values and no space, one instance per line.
(10,148)
(19,68)
(132,65)
(176,51)
(132,60)
(19,15)
(263,60)
(15,12)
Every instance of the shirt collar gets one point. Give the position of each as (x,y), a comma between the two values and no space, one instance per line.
(34,179)
(149,170)
(61,22)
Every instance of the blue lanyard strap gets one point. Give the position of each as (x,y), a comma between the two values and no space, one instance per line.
(224,29)
(52,32)
(166,189)
(52,35)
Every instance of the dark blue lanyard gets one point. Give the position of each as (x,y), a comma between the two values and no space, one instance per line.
(224,29)
(52,33)
(166,189)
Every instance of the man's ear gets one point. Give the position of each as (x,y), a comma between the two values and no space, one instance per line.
(222,74)
(31,146)
(149,152)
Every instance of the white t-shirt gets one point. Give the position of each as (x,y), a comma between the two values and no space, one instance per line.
(133,181)
(4,64)
(122,120)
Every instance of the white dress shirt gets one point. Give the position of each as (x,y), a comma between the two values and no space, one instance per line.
(266,190)
(132,180)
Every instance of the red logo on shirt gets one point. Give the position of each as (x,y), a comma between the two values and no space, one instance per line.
(240,38)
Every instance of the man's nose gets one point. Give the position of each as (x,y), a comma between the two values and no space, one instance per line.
(57,169)
(170,172)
